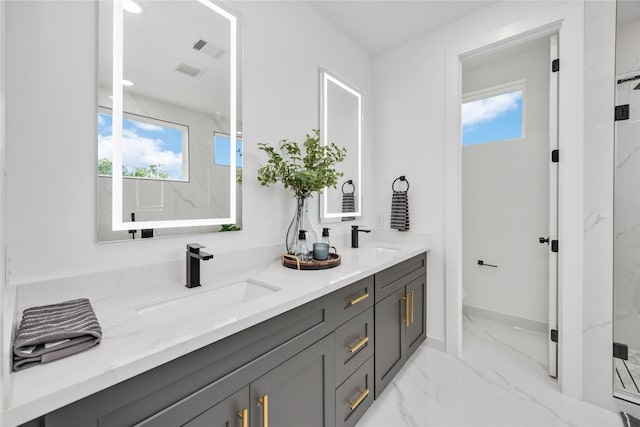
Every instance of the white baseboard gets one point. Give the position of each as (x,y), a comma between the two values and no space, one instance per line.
(520,322)
(436,344)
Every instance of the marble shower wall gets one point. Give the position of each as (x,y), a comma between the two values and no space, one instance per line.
(205,195)
(627,190)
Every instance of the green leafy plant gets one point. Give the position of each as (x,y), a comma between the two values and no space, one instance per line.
(304,173)
(105,167)
(229,227)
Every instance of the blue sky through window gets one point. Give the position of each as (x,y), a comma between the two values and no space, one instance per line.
(221,154)
(492,119)
(143,144)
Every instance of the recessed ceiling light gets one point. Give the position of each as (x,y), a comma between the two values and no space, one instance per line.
(127,82)
(131,6)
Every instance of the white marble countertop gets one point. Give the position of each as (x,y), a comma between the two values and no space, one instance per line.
(133,344)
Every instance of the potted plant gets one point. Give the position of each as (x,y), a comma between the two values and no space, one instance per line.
(303,172)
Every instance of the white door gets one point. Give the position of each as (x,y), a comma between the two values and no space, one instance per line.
(553,210)
(509,188)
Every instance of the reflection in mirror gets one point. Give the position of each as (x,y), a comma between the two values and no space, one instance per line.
(626,268)
(341,124)
(166,163)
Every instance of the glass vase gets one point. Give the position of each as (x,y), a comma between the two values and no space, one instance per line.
(300,221)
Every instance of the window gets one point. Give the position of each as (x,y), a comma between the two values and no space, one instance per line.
(151,148)
(221,150)
(497,117)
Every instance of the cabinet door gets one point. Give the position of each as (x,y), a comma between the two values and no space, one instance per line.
(417,330)
(390,331)
(231,412)
(298,393)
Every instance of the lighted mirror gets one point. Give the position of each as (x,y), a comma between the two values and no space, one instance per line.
(168,106)
(341,124)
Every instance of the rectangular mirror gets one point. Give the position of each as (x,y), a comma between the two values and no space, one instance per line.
(341,124)
(168,101)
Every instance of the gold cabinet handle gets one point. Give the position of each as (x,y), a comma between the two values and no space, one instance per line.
(363,394)
(406,310)
(360,343)
(411,294)
(244,416)
(265,410)
(357,300)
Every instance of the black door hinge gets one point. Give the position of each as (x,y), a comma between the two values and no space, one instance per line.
(554,246)
(554,335)
(555,156)
(555,65)
(620,351)
(622,112)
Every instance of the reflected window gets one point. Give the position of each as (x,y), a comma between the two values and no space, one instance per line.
(492,118)
(151,148)
(221,150)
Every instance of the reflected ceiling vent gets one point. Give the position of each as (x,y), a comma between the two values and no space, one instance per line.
(190,70)
(208,49)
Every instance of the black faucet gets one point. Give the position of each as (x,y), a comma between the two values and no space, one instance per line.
(354,235)
(193,263)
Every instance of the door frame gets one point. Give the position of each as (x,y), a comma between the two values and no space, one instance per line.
(567,20)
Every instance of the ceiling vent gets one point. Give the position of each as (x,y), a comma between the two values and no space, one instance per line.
(208,49)
(190,70)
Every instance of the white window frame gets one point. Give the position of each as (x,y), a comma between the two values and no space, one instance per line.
(518,85)
(183,129)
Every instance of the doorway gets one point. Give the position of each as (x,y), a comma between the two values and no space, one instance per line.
(509,192)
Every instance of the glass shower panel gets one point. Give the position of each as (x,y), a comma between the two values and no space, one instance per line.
(626,331)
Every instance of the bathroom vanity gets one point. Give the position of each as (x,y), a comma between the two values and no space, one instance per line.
(337,340)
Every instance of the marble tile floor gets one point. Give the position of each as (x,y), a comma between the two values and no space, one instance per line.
(501,379)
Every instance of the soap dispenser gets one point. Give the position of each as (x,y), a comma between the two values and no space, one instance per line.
(325,236)
(302,251)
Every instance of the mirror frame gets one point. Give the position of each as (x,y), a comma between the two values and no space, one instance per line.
(327,77)
(118,62)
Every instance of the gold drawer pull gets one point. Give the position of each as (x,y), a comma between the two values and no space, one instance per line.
(363,394)
(265,410)
(356,347)
(244,416)
(411,293)
(357,300)
(406,310)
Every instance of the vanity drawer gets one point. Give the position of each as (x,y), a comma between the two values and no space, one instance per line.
(354,344)
(355,395)
(353,299)
(393,278)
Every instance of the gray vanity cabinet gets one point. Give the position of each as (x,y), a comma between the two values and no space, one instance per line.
(231,412)
(400,317)
(317,365)
(298,393)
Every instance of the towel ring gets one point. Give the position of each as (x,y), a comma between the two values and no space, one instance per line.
(400,178)
(350,181)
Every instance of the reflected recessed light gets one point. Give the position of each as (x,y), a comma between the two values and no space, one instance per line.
(127,82)
(131,6)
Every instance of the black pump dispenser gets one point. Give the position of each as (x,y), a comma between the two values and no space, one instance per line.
(325,232)
(302,235)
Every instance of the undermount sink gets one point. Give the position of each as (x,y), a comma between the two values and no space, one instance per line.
(378,251)
(203,301)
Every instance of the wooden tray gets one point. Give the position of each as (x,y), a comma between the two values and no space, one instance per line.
(291,261)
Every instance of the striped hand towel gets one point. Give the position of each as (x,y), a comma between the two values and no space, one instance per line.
(348,205)
(400,211)
(51,332)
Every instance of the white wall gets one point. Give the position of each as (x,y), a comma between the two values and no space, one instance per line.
(4,364)
(409,110)
(51,131)
(505,193)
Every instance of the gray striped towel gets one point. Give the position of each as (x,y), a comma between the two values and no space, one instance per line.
(51,332)
(348,205)
(400,211)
